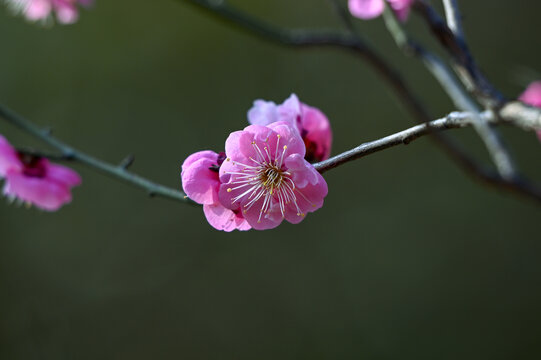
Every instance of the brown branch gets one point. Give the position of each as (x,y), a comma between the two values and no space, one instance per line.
(465,65)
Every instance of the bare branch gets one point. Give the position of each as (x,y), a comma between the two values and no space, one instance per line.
(454,20)
(499,154)
(465,65)
(451,121)
(521,115)
(70,153)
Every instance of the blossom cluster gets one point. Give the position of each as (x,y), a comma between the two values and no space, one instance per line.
(66,11)
(264,176)
(369,9)
(34,180)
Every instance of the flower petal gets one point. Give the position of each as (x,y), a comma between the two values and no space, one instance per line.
(263,113)
(8,157)
(366,9)
(199,182)
(224,219)
(44,193)
(63,175)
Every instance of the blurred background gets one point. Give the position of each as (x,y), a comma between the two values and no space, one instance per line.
(408,259)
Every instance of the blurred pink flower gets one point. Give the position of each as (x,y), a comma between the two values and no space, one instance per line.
(201,183)
(532,96)
(369,9)
(266,176)
(35,10)
(311,123)
(34,179)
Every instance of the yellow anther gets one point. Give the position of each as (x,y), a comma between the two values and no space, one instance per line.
(229,189)
(278,136)
(285,147)
(228,159)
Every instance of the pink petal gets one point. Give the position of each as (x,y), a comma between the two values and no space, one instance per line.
(232,148)
(309,199)
(224,219)
(303,173)
(38,9)
(63,175)
(67,14)
(401,8)
(45,194)
(366,9)
(290,136)
(290,110)
(270,220)
(532,94)
(317,131)
(263,113)
(8,157)
(199,182)
(204,154)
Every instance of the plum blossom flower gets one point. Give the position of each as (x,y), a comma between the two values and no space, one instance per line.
(34,179)
(532,96)
(311,123)
(201,183)
(369,9)
(266,177)
(41,10)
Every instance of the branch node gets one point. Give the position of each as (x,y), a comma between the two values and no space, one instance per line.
(127,162)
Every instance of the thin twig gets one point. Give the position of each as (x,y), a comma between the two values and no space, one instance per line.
(499,154)
(451,121)
(70,153)
(453,17)
(465,65)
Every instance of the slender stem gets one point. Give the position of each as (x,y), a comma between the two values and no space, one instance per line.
(496,149)
(70,153)
(454,20)
(456,47)
(451,121)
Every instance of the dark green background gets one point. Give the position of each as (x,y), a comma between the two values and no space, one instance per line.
(408,259)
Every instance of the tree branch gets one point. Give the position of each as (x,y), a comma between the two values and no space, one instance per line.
(456,47)
(452,121)
(454,20)
(69,153)
(496,149)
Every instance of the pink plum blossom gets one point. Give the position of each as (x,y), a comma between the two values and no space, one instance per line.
(532,96)
(34,179)
(201,182)
(266,177)
(369,9)
(41,10)
(312,124)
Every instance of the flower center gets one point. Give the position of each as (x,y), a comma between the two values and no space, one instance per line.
(265,178)
(34,166)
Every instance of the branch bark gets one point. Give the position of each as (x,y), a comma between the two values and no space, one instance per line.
(69,153)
